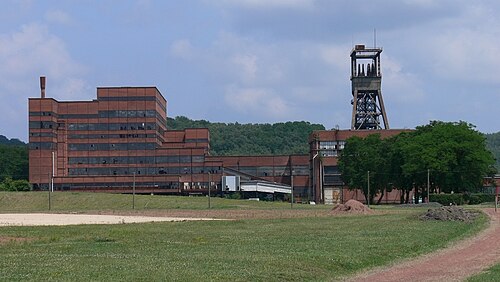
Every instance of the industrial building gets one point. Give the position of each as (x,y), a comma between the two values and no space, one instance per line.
(120,141)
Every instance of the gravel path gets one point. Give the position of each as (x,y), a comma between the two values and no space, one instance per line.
(44,219)
(456,263)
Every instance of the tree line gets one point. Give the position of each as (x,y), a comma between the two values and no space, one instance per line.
(252,139)
(449,156)
(285,139)
(13,165)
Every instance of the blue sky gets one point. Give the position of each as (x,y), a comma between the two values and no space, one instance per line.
(256,61)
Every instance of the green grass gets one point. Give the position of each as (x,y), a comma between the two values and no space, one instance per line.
(321,248)
(491,274)
(71,201)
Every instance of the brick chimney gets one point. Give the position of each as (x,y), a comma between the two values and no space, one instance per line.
(42,86)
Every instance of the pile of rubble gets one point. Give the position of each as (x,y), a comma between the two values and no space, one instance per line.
(352,207)
(449,213)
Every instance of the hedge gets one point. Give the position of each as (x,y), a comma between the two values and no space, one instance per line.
(460,199)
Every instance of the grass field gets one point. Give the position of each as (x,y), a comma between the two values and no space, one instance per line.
(309,247)
(491,274)
(71,201)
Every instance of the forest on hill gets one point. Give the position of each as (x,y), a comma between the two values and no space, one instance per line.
(252,139)
(493,144)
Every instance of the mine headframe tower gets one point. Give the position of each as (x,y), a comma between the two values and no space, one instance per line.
(368,111)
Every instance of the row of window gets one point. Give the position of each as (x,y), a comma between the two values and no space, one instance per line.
(112,126)
(142,170)
(133,98)
(155,185)
(41,114)
(42,146)
(331,145)
(331,175)
(111,146)
(198,140)
(127,113)
(272,170)
(42,134)
(41,124)
(108,136)
(136,160)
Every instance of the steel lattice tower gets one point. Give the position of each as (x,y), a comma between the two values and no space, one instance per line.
(367,103)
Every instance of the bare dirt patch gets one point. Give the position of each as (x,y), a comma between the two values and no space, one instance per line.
(456,263)
(227,213)
(45,219)
(351,207)
(6,239)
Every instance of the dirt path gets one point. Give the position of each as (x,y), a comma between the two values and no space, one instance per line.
(456,263)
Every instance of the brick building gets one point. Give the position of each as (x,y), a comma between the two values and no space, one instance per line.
(325,147)
(120,140)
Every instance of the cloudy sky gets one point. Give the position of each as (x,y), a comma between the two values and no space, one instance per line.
(256,61)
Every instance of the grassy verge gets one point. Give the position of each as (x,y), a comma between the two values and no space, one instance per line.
(71,201)
(491,274)
(298,249)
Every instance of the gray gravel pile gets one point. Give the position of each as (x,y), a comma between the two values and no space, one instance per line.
(449,213)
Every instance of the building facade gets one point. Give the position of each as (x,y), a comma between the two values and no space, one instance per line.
(326,182)
(120,141)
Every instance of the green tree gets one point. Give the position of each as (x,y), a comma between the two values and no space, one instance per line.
(454,152)
(493,144)
(363,155)
(13,162)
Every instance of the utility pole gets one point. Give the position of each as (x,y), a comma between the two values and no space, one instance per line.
(368,201)
(209,184)
(291,180)
(428,185)
(133,193)
(52,178)
(49,194)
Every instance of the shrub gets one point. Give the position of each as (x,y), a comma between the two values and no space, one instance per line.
(15,185)
(448,199)
(234,196)
(478,198)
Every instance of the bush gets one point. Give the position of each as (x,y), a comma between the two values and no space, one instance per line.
(234,196)
(478,198)
(15,185)
(448,199)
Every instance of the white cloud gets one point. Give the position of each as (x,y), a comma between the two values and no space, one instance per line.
(257,101)
(58,17)
(401,84)
(247,65)
(182,48)
(273,4)
(25,55)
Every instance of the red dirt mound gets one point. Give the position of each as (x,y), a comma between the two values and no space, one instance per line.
(352,207)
